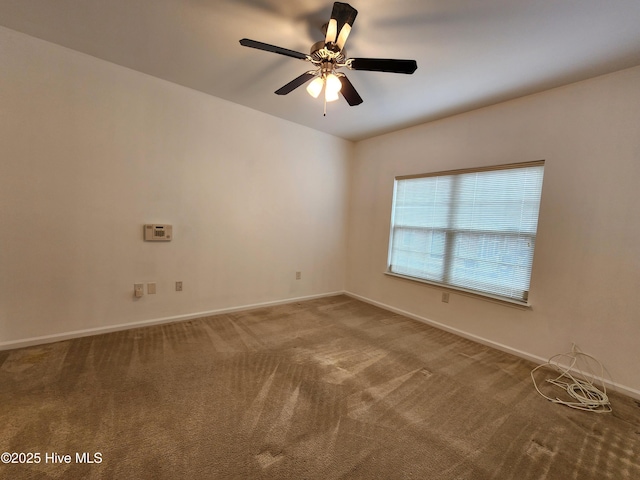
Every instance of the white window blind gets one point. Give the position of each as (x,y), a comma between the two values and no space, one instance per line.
(474,229)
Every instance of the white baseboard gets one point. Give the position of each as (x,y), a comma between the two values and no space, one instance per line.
(28,342)
(630,392)
(58,337)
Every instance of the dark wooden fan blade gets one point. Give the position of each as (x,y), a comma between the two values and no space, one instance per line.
(343,13)
(245,42)
(295,83)
(384,65)
(349,93)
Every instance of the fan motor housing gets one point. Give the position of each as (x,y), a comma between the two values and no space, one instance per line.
(319,53)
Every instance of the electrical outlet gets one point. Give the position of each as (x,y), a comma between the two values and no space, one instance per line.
(445,297)
(138,290)
(178,286)
(298,275)
(151,288)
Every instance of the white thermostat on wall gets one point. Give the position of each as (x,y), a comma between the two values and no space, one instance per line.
(158,233)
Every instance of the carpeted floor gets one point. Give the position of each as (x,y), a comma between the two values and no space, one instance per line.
(325,389)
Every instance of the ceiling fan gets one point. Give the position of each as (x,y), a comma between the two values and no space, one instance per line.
(328,56)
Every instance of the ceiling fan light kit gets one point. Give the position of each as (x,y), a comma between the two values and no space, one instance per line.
(329,56)
(331,84)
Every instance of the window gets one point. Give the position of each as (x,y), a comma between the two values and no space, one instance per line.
(473,230)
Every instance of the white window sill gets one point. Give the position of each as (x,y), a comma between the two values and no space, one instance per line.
(467,293)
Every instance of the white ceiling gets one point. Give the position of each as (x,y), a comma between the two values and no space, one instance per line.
(470,53)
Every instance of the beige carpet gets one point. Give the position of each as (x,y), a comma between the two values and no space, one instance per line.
(324,389)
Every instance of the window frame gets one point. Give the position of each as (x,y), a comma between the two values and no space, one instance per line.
(452,232)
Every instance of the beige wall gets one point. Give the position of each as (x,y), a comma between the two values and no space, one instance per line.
(91,151)
(586,275)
